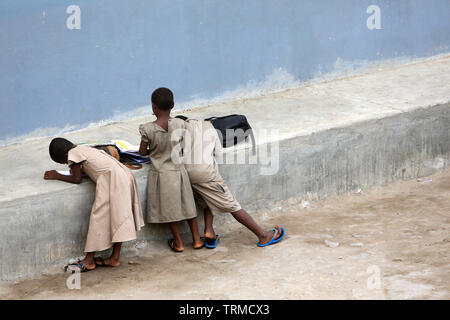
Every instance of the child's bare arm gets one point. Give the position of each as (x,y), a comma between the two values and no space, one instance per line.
(75,176)
(143,148)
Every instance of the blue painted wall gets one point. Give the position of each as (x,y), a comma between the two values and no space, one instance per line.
(51,76)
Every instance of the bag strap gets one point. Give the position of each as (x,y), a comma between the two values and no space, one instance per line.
(133,166)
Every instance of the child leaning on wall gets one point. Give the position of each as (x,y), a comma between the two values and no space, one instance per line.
(169,193)
(201,145)
(116,214)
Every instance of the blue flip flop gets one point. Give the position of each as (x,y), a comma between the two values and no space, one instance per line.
(210,244)
(283,230)
(273,240)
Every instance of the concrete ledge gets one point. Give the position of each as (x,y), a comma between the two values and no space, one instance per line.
(334,137)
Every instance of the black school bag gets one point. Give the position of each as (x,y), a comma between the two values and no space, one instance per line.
(234,122)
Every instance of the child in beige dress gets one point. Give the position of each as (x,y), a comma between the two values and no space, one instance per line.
(210,189)
(116,214)
(169,193)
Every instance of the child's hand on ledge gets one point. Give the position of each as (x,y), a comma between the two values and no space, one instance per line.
(74,177)
(51,175)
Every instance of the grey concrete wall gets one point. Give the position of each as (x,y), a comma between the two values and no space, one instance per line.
(339,160)
(45,230)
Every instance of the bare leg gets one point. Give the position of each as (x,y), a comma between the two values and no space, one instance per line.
(88,261)
(176,235)
(209,229)
(193,225)
(245,219)
(114,259)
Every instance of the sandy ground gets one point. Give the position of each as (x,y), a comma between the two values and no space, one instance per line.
(393,243)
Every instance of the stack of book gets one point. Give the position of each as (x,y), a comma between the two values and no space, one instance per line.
(130,151)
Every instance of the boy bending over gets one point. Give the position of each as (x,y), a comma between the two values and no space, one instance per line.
(210,190)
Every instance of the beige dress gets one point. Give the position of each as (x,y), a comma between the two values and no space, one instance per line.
(116,214)
(209,187)
(169,192)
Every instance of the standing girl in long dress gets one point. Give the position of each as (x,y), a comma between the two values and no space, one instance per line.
(116,213)
(169,193)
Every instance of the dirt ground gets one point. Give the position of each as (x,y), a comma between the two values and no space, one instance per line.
(383,243)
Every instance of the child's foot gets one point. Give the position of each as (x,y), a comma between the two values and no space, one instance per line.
(174,246)
(269,235)
(210,235)
(109,262)
(80,266)
(199,244)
